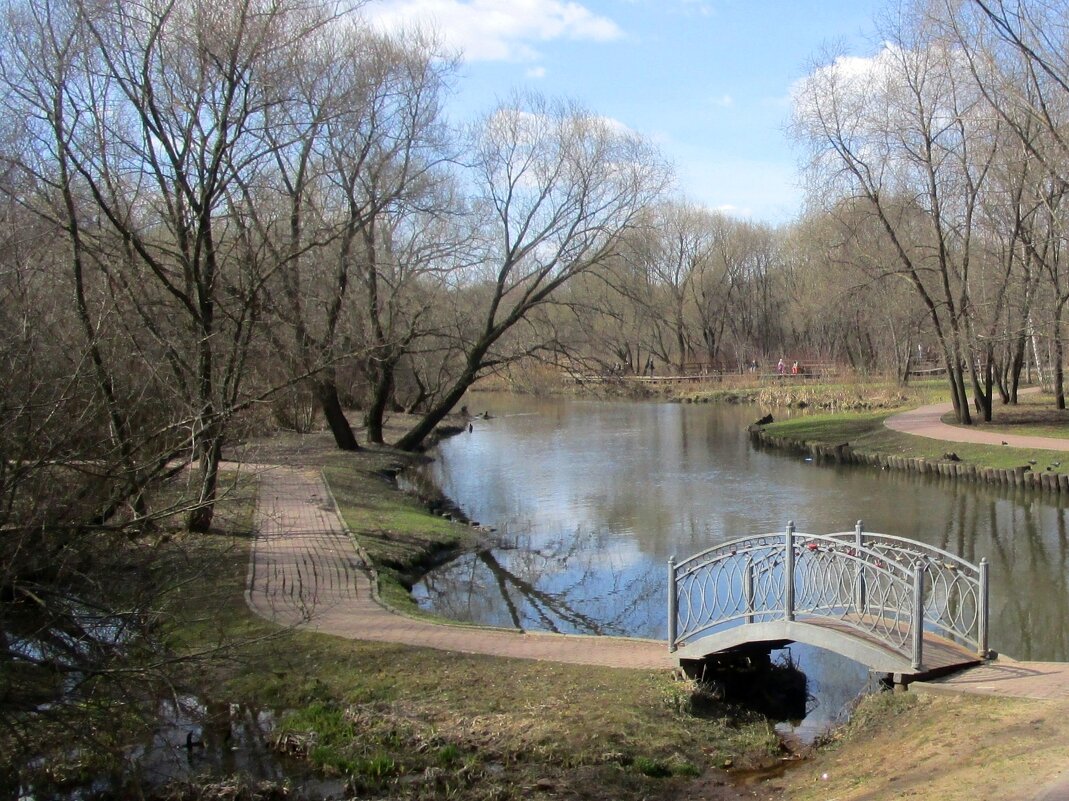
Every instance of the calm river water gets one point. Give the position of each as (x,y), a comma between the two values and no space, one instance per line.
(591,498)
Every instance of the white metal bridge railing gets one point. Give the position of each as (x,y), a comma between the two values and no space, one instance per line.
(887,588)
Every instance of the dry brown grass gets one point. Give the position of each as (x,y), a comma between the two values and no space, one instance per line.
(940,748)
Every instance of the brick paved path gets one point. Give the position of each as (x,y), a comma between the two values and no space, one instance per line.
(1009,678)
(1006,677)
(305,570)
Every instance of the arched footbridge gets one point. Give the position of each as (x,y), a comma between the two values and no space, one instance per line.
(893,604)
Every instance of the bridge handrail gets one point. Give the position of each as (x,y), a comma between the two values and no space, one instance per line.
(944,570)
(850,612)
(766,545)
(775,537)
(690,565)
(916,587)
(920,548)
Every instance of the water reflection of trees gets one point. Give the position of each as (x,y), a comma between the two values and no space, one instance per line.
(646,482)
(1025,537)
(578,583)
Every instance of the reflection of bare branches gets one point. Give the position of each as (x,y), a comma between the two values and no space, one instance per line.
(612,570)
(562,586)
(502,585)
(544,604)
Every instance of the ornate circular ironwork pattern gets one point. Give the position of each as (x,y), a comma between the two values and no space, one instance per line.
(887,588)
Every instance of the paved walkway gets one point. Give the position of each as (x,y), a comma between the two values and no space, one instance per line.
(1005,677)
(926,422)
(306,571)
(1008,678)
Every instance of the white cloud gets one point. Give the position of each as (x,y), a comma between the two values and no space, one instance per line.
(497,30)
(733,211)
(616,126)
(858,75)
(724,101)
(536,72)
(700,6)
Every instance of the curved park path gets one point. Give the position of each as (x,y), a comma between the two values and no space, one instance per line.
(305,570)
(1004,676)
(926,421)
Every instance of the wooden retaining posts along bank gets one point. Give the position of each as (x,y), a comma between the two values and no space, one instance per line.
(1022,476)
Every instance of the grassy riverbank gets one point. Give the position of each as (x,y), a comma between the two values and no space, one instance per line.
(866,434)
(854,393)
(939,748)
(415,723)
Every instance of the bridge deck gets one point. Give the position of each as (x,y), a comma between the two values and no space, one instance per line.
(940,655)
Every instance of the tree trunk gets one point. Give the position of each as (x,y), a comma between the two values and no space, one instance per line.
(210,452)
(326,390)
(1035,353)
(958,395)
(1059,372)
(681,344)
(1001,378)
(987,395)
(904,372)
(421,430)
(381,390)
(1017,368)
(1059,378)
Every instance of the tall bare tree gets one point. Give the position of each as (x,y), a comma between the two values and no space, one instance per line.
(556,189)
(913,140)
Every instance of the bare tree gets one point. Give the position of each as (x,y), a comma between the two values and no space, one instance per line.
(1016,53)
(913,140)
(358,155)
(157,113)
(557,188)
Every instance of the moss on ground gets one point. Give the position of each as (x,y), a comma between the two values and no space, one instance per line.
(395,530)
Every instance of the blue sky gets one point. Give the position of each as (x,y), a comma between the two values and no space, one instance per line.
(707,80)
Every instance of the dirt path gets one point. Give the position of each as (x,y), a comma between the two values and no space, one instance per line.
(305,571)
(926,422)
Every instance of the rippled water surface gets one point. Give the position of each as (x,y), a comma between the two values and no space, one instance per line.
(591,498)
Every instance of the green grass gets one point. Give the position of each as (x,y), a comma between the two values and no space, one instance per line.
(866,433)
(443,725)
(401,538)
(379,711)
